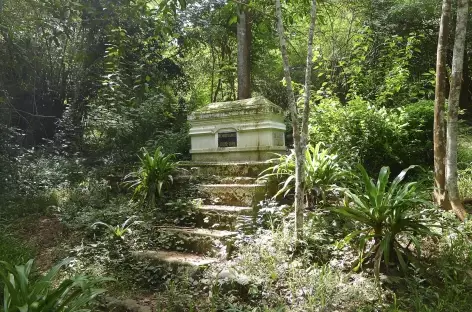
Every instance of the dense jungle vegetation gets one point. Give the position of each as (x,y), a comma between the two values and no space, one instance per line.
(94,99)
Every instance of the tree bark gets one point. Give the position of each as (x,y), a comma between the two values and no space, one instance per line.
(308,69)
(464,100)
(244,44)
(453,109)
(439,136)
(292,106)
(299,137)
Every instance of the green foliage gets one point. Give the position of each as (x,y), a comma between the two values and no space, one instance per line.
(155,172)
(323,172)
(23,293)
(386,211)
(13,249)
(119,231)
(374,136)
(417,146)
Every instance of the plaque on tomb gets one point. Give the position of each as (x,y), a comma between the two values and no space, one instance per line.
(227,139)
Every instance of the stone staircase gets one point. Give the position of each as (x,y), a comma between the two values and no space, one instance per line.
(230,193)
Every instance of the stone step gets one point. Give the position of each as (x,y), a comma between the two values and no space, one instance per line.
(229,180)
(230,218)
(248,195)
(174,257)
(211,242)
(227,169)
(226,209)
(198,231)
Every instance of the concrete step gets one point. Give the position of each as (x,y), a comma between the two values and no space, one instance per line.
(231,169)
(214,179)
(198,232)
(210,242)
(174,257)
(237,210)
(230,218)
(247,195)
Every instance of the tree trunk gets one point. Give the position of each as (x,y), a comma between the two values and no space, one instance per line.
(309,66)
(464,100)
(453,109)
(244,44)
(439,136)
(300,138)
(292,106)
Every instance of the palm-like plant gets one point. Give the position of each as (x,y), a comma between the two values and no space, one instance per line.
(23,294)
(323,171)
(120,230)
(386,212)
(155,171)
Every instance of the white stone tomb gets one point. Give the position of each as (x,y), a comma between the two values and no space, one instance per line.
(244,130)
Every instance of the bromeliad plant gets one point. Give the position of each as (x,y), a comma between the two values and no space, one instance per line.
(323,173)
(154,173)
(21,293)
(120,230)
(386,212)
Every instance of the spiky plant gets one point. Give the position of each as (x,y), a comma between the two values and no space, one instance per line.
(120,230)
(323,172)
(386,211)
(154,173)
(21,293)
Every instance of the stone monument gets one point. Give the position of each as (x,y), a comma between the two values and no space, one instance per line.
(245,130)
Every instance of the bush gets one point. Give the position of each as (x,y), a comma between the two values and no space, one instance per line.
(418,147)
(375,136)
(161,120)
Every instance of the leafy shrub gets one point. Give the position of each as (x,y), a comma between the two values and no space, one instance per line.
(22,293)
(119,131)
(386,211)
(418,145)
(155,172)
(322,172)
(375,136)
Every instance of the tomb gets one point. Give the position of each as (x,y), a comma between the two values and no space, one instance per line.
(244,130)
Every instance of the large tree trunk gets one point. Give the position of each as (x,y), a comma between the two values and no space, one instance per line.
(244,46)
(453,109)
(439,137)
(299,138)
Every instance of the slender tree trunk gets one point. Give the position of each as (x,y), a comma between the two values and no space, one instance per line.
(453,109)
(244,44)
(308,69)
(292,105)
(212,86)
(439,136)
(464,101)
(299,137)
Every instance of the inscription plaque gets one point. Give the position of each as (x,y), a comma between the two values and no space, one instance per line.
(227,139)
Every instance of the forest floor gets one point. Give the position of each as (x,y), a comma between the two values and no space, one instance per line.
(318,280)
